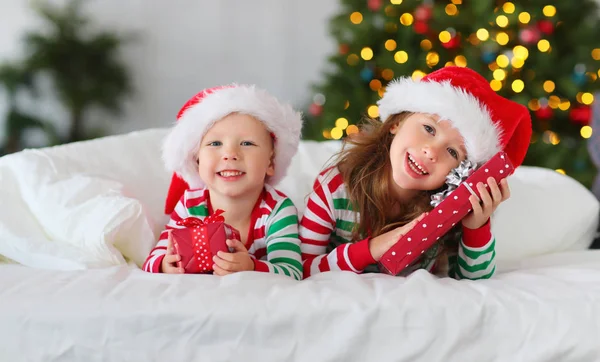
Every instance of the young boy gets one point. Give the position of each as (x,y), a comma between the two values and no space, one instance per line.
(230,146)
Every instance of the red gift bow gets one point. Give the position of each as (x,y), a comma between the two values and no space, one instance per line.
(194,222)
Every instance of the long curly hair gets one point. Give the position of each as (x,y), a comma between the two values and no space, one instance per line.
(365,165)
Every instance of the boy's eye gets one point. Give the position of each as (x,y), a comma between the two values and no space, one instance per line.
(453,153)
(215,143)
(429,129)
(247,143)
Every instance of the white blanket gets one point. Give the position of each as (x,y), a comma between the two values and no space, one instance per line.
(548,310)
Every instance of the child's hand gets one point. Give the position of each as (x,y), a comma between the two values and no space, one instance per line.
(379,245)
(229,263)
(169,263)
(490,199)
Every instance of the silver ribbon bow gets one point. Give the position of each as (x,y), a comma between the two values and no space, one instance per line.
(456,176)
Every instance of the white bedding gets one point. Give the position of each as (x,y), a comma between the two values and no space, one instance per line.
(549,311)
(81,218)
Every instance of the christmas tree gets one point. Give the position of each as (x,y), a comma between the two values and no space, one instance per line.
(541,53)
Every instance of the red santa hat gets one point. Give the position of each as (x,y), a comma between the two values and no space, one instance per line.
(488,122)
(198,114)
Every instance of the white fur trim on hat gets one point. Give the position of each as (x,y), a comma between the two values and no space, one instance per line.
(466,113)
(181,145)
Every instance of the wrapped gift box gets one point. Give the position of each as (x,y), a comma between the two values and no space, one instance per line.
(451,207)
(200,240)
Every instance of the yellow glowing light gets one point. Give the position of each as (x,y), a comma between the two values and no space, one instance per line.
(336,133)
(564,105)
(578,97)
(587,98)
(561,171)
(366,53)
(592,76)
(524,17)
(553,138)
(375,84)
(432,58)
(460,60)
(341,123)
(327,134)
(483,34)
(396,2)
(445,36)
(381,92)
(496,85)
(517,62)
(493,66)
(499,74)
(373,111)
(417,75)
(351,129)
(508,8)
(390,44)
(553,102)
(543,45)
(596,54)
(451,9)
(549,10)
(534,104)
(502,61)
(401,57)
(387,74)
(586,131)
(426,44)
(502,38)
(502,21)
(406,19)
(347,104)
(457,2)
(356,17)
(352,59)
(521,52)
(518,86)
(549,86)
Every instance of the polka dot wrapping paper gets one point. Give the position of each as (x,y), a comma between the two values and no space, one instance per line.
(453,208)
(200,240)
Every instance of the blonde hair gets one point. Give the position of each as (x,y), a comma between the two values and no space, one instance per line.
(364,163)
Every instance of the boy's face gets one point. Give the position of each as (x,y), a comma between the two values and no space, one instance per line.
(235,156)
(423,152)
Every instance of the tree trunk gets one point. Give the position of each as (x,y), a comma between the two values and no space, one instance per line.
(75,132)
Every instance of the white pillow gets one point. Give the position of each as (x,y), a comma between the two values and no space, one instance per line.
(547,212)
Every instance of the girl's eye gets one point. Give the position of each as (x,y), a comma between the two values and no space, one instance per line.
(429,129)
(453,153)
(215,143)
(247,143)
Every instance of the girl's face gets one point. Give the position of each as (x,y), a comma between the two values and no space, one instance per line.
(423,152)
(236,155)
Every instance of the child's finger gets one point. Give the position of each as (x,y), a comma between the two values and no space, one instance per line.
(485,196)
(475,205)
(505,189)
(236,245)
(495,191)
(230,257)
(223,264)
(172,258)
(169,243)
(220,271)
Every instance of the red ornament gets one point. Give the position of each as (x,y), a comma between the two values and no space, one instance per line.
(315,109)
(544,113)
(421,27)
(344,49)
(545,26)
(452,43)
(581,115)
(374,5)
(423,13)
(530,35)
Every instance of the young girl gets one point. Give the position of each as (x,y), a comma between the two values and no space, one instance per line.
(230,146)
(380,187)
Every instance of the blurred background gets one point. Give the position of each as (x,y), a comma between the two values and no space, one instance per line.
(75,70)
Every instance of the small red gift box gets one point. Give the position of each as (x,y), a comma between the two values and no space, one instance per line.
(454,206)
(200,240)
